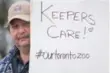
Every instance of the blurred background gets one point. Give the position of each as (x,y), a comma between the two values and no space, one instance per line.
(5,38)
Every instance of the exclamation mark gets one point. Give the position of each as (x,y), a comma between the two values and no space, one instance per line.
(84,32)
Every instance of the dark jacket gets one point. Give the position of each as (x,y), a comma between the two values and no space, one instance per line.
(6,64)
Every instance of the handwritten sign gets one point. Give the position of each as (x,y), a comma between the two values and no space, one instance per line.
(69,37)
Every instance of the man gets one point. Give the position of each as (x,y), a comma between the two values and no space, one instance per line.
(17,61)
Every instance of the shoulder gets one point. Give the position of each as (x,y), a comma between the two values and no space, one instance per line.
(6,60)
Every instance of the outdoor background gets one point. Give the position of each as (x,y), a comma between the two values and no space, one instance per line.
(5,38)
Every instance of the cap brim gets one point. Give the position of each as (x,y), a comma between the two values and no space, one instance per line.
(22,17)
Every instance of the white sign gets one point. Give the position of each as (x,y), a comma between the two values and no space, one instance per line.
(69,36)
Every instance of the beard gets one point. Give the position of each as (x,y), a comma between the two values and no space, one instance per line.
(25,43)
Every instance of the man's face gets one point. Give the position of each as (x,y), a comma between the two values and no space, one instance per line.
(20,32)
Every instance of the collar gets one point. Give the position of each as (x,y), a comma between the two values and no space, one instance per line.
(14,53)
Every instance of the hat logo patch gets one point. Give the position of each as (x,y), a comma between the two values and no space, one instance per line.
(17,8)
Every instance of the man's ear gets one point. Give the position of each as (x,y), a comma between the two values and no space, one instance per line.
(8,28)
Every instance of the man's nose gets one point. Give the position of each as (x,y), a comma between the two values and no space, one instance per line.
(21,30)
